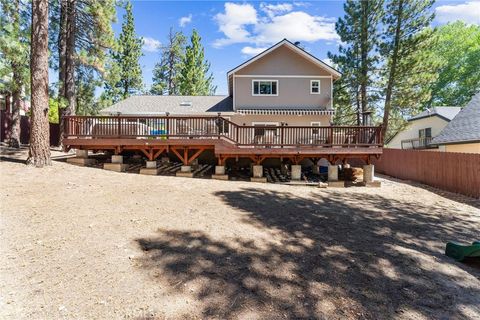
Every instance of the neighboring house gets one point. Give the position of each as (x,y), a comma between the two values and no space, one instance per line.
(284,85)
(462,134)
(422,128)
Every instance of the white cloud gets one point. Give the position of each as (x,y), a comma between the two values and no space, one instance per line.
(296,26)
(150,44)
(241,23)
(233,23)
(274,9)
(250,51)
(183,21)
(468,12)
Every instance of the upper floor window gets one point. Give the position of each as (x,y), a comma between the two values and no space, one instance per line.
(314,86)
(265,87)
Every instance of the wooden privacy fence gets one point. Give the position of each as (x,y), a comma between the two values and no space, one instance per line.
(5,121)
(455,172)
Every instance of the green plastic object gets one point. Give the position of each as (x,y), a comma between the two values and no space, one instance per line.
(460,252)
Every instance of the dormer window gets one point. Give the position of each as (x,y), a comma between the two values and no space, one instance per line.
(265,87)
(314,86)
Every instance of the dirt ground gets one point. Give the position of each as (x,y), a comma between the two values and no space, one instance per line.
(85,243)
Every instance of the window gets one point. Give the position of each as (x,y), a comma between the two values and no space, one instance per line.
(314,86)
(314,130)
(265,87)
(425,133)
(425,136)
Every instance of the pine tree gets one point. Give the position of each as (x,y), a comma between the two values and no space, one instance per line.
(39,152)
(359,31)
(127,56)
(15,54)
(166,72)
(409,69)
(194,79)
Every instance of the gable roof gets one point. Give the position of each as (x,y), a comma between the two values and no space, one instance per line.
(335,73)
(446,113)
(174,105)
(465,127)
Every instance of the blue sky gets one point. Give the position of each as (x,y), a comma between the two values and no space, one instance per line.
(234,31)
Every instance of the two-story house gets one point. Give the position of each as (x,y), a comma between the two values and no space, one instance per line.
(282,85)
(279,106)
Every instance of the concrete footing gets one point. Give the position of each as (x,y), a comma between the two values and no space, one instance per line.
(81,161)
(368,173)
(296,172)
(220,173)
(117,159)
(185,172)
(332,173)
(81,153)
(151,168)
(219,170)
(151,164)
(257,171)
(117,167)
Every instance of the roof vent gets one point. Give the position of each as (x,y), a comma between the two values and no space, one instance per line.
(186,103)
(297,43)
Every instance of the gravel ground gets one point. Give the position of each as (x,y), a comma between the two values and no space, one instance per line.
(84,243)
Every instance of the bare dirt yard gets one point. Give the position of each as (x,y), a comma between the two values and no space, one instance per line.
(85,243)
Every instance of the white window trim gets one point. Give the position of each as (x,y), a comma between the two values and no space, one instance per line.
(319,86)
(264,95)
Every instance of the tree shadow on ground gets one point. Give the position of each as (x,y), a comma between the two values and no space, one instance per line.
(328,257)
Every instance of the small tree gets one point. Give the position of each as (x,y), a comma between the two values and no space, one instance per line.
(128,55)
(194,79)
(39,152)
(166,72)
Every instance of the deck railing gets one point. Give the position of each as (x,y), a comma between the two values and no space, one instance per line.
(418,143)
(201,127)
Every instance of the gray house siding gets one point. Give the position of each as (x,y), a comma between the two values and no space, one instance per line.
(293,72)
(292,93)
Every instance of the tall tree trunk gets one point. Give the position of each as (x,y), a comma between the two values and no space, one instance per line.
(66,48)
(39,153)
(364,57)
(70,58)
(14,134)
(14,128)
(62,46)
(393,69)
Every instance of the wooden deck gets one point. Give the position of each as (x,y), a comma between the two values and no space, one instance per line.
(188,137)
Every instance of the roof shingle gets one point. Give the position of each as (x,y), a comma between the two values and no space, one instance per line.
(465,127)
(175,105)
